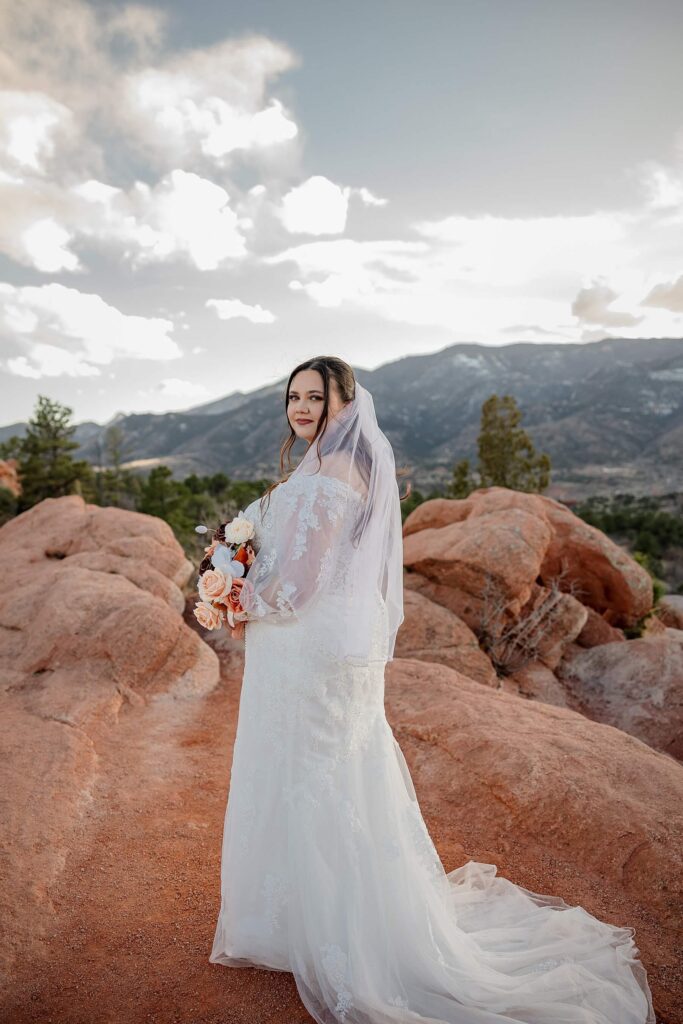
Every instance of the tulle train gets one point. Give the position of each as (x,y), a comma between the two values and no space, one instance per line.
(329,872)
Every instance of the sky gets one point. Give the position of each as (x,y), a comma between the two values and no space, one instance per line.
(194,197)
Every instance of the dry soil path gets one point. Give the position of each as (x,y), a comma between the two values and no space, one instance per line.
(136,905)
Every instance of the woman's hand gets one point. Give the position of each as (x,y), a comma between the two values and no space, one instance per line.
(237,631)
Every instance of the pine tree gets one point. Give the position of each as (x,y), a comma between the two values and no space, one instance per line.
(44,463)
(116,485)
(507,457)
(463,482)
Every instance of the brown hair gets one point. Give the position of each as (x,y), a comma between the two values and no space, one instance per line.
(330,369)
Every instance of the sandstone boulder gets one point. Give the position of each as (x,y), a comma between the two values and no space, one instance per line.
(536,681)
(636,685)
(670,610)
(8,476)
(431,632)
(602,574)
(495,558)
(596,630)
(548,622)
(529,578)
(583,560)
(89,629)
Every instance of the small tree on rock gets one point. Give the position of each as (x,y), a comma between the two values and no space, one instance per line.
(507,457)
(44,463)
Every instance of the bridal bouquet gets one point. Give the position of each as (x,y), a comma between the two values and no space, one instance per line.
(223,571)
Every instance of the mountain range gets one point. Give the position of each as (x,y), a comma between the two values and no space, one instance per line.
(609,414)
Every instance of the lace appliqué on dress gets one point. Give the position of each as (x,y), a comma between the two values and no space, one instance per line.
(312,510)
(328,497)
(546,965)
(275,895)
(335,962)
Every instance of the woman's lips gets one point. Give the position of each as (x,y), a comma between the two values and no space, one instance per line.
(304,421)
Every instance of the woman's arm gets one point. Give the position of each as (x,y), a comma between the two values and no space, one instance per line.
(291,571)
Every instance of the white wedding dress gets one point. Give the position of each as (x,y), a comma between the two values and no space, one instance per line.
(328,870)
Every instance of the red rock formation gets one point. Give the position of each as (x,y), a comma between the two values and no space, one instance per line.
(484,568)
(114,793)
(433,633)
(670,610)
(505,548)
(537,682)
(546,624)
(8,476)
(560,804)
(89,627)
(598,631)
(598,572)
(543,593)
(541,630)
(635,685)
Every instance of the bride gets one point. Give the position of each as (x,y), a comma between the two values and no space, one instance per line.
(328,870)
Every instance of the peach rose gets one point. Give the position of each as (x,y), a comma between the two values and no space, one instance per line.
(232,601)
(208,616)
(214,585)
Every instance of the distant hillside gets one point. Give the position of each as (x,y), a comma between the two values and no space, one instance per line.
(609,413)
(84,431)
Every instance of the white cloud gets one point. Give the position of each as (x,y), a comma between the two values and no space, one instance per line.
(316,207)
(475,276)
(210,102)
(183,215)
(229,309)
(174,387)
(369,198)
(106,65)
(94,81)
(51,361)
(61,331)
(591,306)
(668,295)
(662,186)
(46,246)
(343,270)
(515,251)
(170,393)
(97,79)
(37,225)
(79,55)
(30,126)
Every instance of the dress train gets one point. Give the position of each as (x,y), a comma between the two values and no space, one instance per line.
(328,869)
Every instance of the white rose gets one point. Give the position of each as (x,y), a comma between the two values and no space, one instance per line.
(239,531)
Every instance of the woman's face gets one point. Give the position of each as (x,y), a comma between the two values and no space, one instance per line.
(306,401)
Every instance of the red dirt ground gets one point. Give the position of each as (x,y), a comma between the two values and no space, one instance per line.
(137,902)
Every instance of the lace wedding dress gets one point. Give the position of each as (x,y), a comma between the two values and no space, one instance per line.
(328,870)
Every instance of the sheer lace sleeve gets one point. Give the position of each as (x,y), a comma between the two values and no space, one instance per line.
(298,562)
